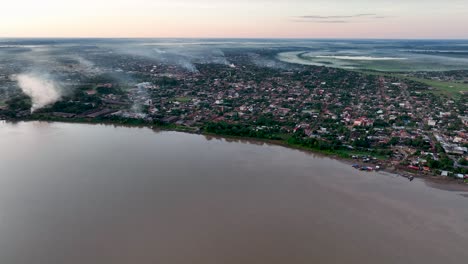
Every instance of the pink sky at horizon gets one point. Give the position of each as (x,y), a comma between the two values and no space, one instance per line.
(236,19)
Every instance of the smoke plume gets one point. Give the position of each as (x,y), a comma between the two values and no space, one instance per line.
(41,90)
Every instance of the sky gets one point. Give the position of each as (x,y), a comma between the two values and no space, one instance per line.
(434,19)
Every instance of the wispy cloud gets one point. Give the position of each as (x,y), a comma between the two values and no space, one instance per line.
(324,21)
(336,18)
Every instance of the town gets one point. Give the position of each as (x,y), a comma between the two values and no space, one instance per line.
(386,121)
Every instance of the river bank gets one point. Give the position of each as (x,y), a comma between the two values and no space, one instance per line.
(445,183)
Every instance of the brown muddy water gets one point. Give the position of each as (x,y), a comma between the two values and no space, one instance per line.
(95,194)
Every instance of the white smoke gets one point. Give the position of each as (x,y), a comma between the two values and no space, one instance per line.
(184,56)
(41,90)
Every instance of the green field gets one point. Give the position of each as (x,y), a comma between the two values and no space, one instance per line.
(449,89)
(183,99)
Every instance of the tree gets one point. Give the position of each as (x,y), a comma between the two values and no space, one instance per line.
(393,141)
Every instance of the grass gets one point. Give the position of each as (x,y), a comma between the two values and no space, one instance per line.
(449,89)
(183,99)
(341,153)
(394,69)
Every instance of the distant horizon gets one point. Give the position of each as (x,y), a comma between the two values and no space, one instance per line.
(241,38)
(271,19)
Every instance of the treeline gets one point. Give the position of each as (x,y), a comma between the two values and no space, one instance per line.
(445,163)
(418,142)
(15,105)
(19,103)
(69,107)
(335,146)
(313,143)
(239,130)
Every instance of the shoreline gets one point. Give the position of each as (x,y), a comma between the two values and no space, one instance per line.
(431,180)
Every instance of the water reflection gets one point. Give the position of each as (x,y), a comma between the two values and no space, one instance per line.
(75,193)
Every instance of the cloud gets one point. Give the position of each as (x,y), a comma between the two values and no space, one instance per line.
(336,19)
(324,21)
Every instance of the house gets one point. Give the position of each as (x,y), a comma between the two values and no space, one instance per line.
(170,119)
(104,85)
(464,120)
(363,121)
(431,122)
(100,112)
(454,149)
(63,115)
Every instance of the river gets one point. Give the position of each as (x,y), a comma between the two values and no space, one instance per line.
(76,193)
